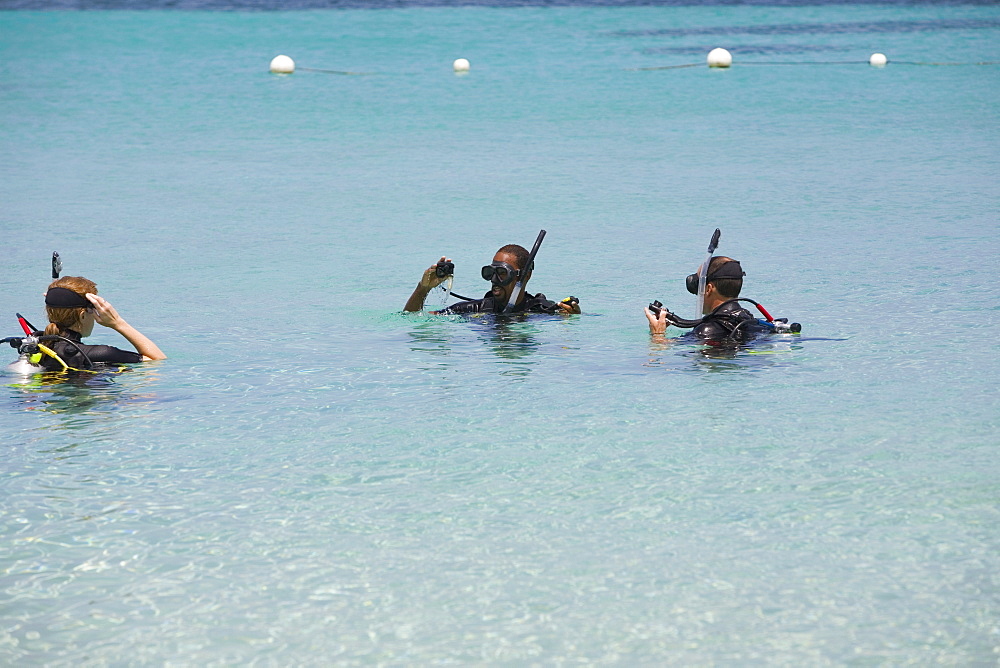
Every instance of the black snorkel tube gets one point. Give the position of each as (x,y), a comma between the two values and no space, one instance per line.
(518,290)
(703,274)
(56,265)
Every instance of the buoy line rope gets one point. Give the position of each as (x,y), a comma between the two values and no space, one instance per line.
(355,74)
(810,62)
(665,67)
(910,62)
(718,58)
(859,62)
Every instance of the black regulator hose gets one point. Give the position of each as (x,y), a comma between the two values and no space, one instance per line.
(55,337)
(684,323)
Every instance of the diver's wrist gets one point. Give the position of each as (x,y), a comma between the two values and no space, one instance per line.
(421,294)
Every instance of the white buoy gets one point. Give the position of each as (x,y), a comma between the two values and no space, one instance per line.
(719,58)
(461,65)
(282,65)
(878,60)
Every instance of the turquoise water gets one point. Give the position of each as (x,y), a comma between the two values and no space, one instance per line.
(314,478)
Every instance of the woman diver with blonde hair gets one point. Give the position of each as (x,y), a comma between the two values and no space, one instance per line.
(73,307)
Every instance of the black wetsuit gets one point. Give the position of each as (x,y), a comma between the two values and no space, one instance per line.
(729,322)
(530,304)
(97,354)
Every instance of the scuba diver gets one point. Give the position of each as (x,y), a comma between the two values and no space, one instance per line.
(509,274)
(718,283)
(73,306)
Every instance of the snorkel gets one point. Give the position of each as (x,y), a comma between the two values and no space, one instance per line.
(703,274)
(518,290)
(56,265)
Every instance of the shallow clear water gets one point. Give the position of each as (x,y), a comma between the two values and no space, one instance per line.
(314,477)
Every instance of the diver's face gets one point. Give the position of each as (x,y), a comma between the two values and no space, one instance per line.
(501,293)
(710,298)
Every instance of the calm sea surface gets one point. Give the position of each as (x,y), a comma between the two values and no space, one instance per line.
(315,478)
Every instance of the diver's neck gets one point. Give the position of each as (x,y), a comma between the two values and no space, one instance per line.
(521,297)
(501,307)
(713,303)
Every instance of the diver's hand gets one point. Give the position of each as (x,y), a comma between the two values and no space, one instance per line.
(657,323)
(569,305)
(430,279)
(428,282)
(104,313)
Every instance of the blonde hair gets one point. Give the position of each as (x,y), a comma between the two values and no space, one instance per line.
(62,319)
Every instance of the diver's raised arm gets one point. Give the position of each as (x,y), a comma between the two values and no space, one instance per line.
(106,315)
(657,322)
(430,279)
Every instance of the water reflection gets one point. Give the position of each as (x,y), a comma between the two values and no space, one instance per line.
(72,395)
(432,336)
(687,354)
(511,339)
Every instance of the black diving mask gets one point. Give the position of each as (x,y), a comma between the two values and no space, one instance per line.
(730,269)
(500,273)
